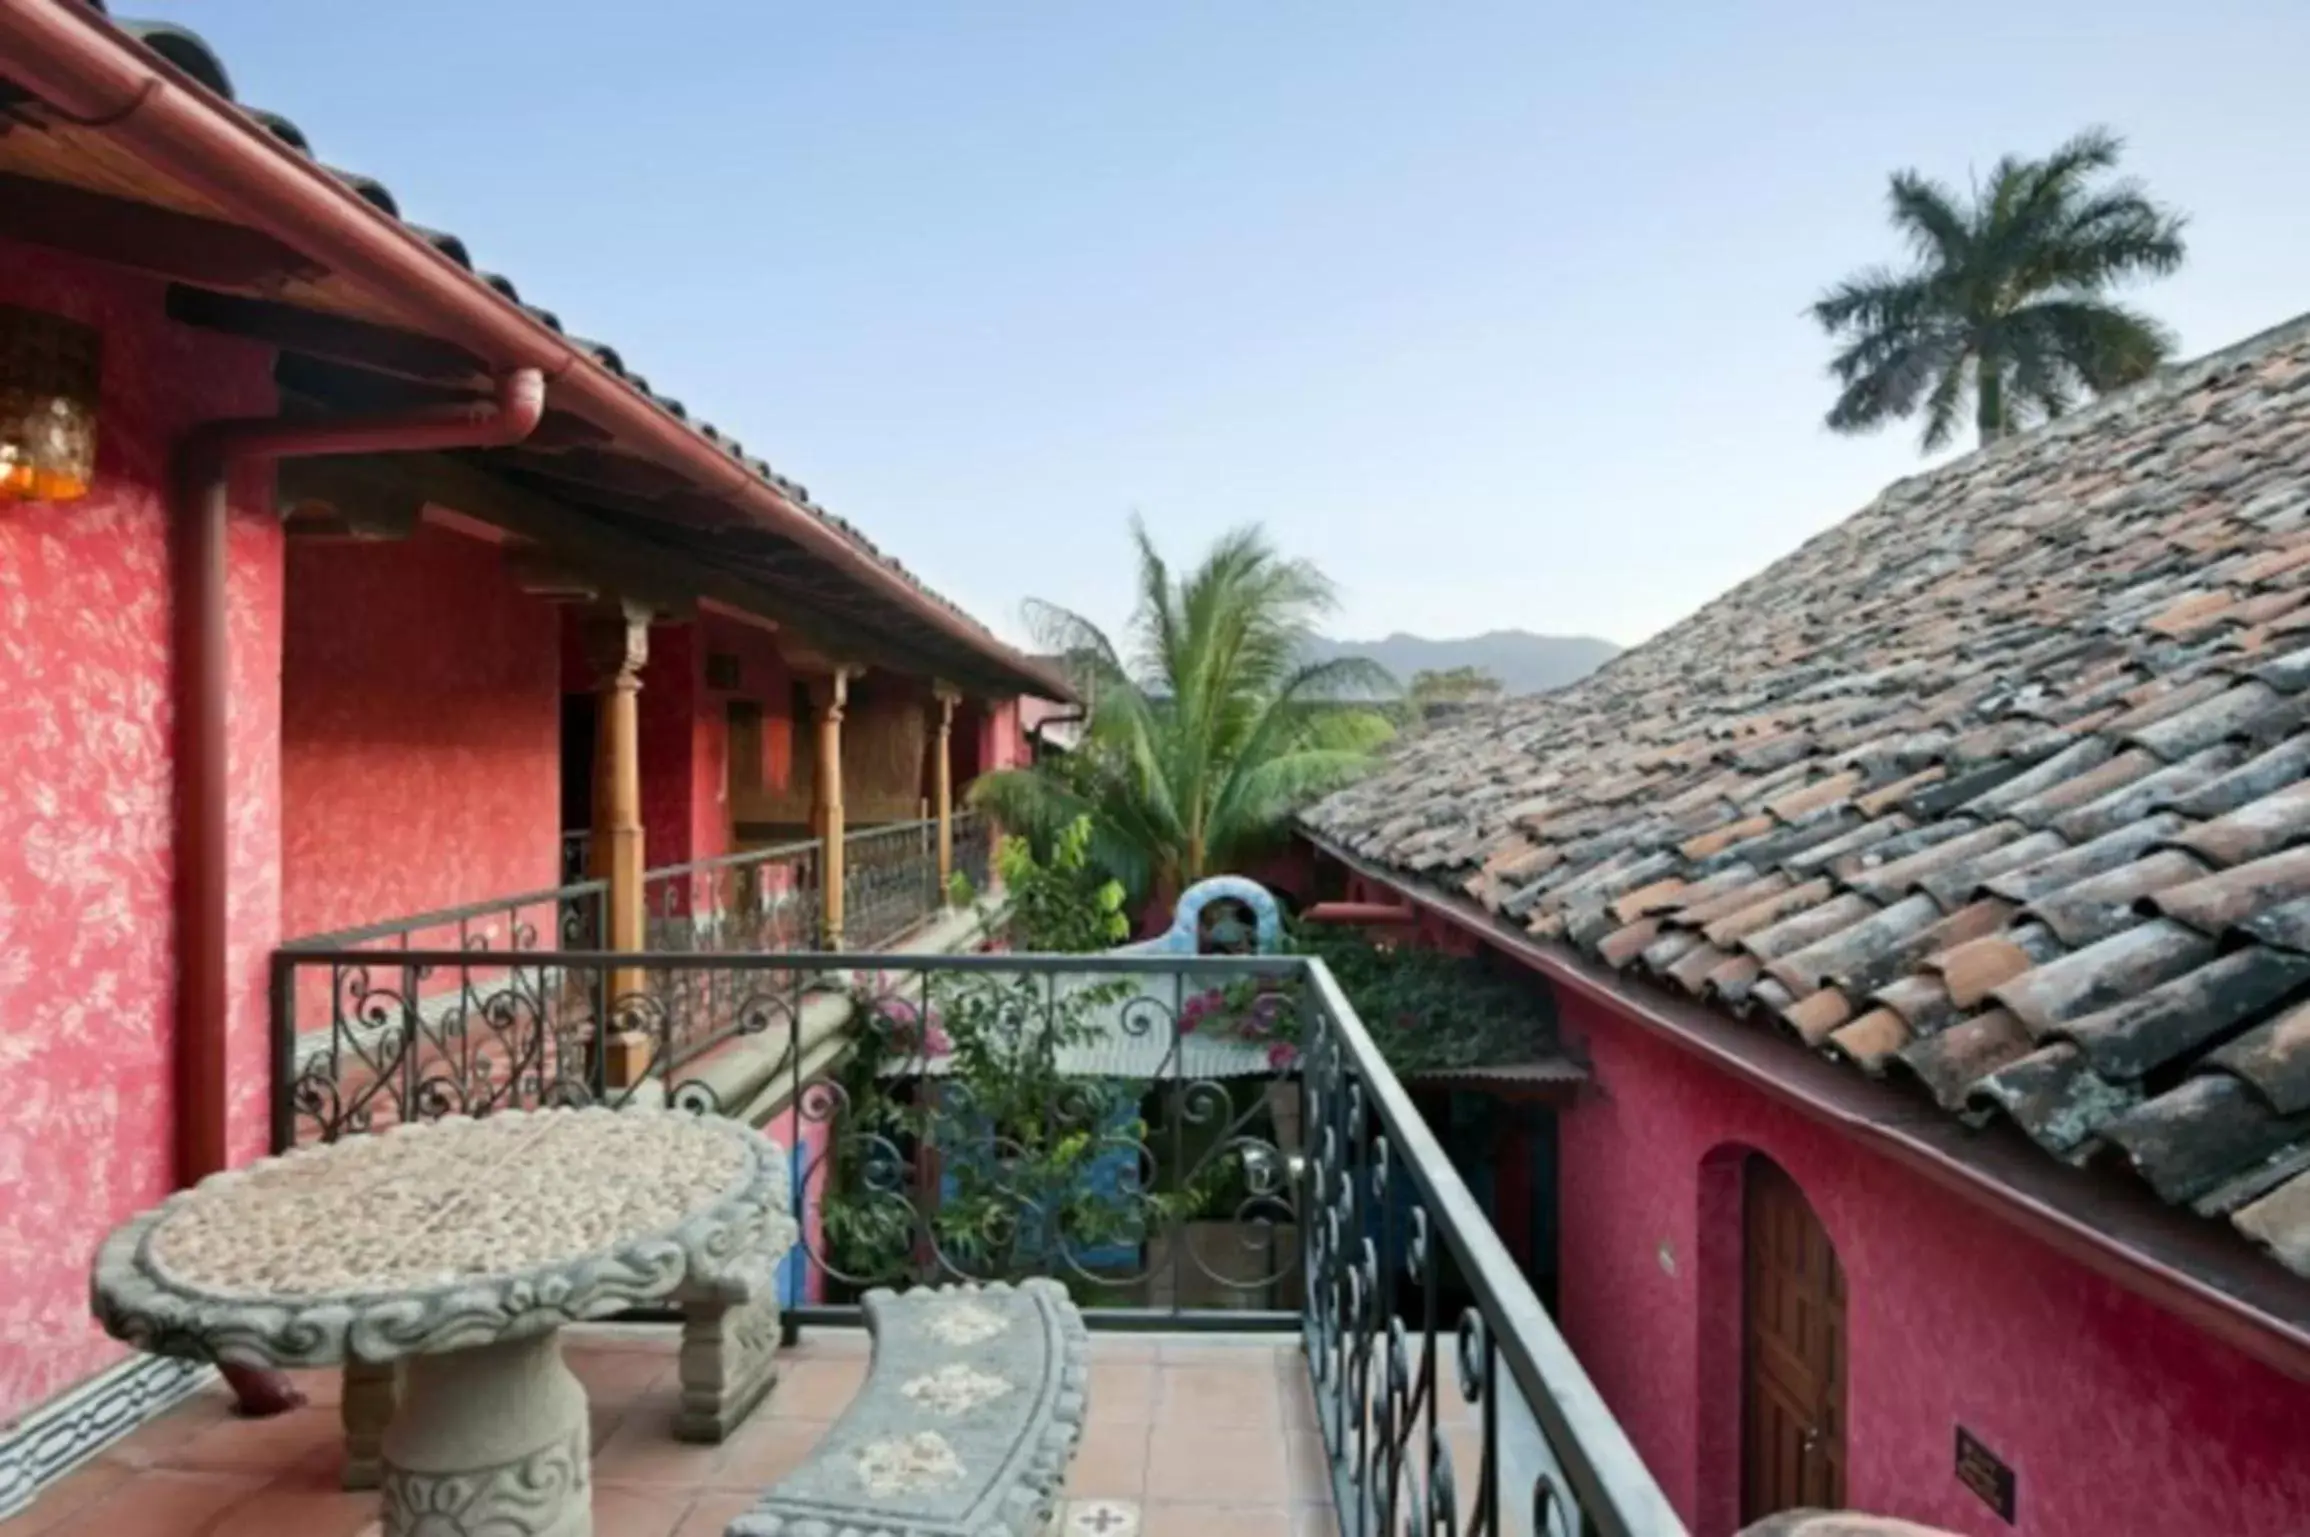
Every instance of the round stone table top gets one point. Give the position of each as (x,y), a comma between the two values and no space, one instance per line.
(443,1235)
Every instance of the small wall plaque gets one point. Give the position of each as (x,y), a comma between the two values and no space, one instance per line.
(1982,1471)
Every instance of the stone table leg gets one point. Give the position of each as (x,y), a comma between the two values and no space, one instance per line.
(729,1360)
(366,1407)
(490,1442)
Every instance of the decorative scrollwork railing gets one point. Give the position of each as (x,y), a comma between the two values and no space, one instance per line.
(760,899)
(1181,1157)
(889,882)
(1441,1416)
(974,849)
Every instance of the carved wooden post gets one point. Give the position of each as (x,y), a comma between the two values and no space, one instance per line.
(617,645)
(942,778)
(830,695)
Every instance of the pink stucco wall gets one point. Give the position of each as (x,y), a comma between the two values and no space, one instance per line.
(86,966)
(420,731)
(2117,1417)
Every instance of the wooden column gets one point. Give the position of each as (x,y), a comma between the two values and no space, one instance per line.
(942,780)
(617,643)
(829,695)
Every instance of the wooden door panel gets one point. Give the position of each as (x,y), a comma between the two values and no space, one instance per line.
(1793,1392)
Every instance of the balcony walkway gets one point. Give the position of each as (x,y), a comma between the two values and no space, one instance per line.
(1204,1437)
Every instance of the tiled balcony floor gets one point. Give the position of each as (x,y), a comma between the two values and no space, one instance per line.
(1209,1437)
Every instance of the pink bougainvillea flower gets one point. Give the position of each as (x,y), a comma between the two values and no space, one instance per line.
(1282,1055)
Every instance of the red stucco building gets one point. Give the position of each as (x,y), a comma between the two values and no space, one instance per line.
(1927,912)
(365,659)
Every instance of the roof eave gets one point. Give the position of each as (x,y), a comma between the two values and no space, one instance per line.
(2204,1273)
(77,59)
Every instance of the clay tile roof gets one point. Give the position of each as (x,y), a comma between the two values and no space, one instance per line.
(2000,789)
(189,52)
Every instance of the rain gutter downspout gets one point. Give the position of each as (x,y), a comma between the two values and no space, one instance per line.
(201,491)
(1359,914)
(70,56)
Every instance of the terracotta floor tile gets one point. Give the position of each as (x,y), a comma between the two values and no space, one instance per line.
(280,1511)
(617,1375)
(270,1446)
(715,1510)
(818,1389)
(1298,1402)
(603,1421)
(764,1451)
(1139,1349)
(323,1389)
(1223,1350)
(1310,1467)
(1316,1521)
(1216,1464)
(145,1446)
(1122,1392)
(1245,1396)
(1168,1518)
(1110,1464)
(639,1512)
(817,1344)
(643,1453)
(76,1490)
(160,1503)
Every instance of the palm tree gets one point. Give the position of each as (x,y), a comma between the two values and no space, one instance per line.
(1214,729)
(2004,298)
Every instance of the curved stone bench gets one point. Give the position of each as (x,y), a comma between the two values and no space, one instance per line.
(964,1428)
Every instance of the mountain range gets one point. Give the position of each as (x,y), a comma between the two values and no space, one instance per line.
(1523,662)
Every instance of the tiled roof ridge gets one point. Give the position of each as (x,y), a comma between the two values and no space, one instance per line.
(190,53)
(1999,787)
(2173,379)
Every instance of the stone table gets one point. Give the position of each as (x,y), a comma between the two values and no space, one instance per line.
(459,1247)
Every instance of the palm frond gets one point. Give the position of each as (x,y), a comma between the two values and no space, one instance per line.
(2001,296)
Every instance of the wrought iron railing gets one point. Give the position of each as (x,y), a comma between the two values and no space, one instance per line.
(889,882)
(497,950)
(974,851)
(1186,1141)
(762,899)
(577,851)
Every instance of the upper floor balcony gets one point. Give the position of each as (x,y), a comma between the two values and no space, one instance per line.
(1303,1319)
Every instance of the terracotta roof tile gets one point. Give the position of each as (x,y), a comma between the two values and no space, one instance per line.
(2053,1094)
(2274,1057)
(2002,787)
(1871,1041)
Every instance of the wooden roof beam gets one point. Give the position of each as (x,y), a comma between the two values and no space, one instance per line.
(124,233)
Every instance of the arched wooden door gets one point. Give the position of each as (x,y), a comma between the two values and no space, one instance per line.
(1793,1373)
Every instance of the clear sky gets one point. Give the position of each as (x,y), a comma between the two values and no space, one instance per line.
(1493,309)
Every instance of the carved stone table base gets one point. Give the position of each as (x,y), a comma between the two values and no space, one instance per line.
(729,1357)
(491,1442)
(371,1393)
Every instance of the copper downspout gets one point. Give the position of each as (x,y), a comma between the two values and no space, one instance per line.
(202,496)
(1359,913)
(71,57)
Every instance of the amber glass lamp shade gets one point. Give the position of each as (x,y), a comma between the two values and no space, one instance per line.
(48,379)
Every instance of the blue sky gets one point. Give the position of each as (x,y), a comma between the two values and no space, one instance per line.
(1492,309)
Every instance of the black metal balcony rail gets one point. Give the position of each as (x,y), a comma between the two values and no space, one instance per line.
(889,882)
(760,899)
(495,944)
(577,851)
(1205,1142)
(974,849)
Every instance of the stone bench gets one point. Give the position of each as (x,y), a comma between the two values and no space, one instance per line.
(964,1428)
